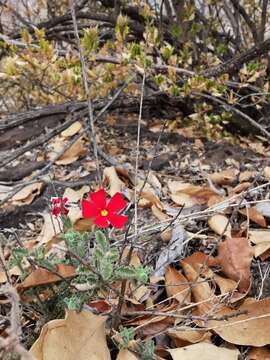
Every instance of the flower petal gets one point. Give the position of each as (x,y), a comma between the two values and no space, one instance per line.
(117,221)
(56,210)
(99,198)
(116,203)
(101,221)
(55,200)
(89,210)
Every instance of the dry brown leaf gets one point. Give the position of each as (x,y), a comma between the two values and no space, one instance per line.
(225,177)
(27,194)
(246,175)
(50,230)
(14,271)
(244,186)
(79,336)
(250,328)
(167,234)
(72,154)
(266,172)
(72,130)
(261,239)
(183,199)
(177,285)
(42,276)
(179,186)
(189,336)
(152,328)
(204,351)
(76,195)
(125,354)
(225,285)
(234,257)
(254,215)
(259,353)
(148,197)
(201,291)
(115,183)
(220,224)
(214,200)
(192,193)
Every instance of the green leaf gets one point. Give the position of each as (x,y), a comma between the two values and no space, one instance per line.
(90,39)
(126,272)
(67,223)
(106,269)
(101,242)
(113,255)
(73,302)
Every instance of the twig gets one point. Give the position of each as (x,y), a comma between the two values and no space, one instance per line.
(185,316)
(92,134)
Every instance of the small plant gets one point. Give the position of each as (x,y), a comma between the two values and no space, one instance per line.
(145,349)
(94,258)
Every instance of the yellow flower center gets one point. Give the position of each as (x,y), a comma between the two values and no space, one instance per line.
(104,212)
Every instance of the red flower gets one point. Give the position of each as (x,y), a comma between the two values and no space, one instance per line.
(59,206)
(105,214)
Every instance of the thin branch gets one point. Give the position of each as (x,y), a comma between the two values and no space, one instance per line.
(263,20)
(239,8)
(92,134)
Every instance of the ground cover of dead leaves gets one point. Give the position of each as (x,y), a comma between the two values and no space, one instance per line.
(208,311)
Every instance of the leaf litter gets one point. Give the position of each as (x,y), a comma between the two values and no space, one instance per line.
(200,238)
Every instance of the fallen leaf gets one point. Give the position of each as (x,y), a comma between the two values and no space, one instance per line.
(225,177)
(250,328)
(177,286)
(27,194)
(100,306)
(167,234)
(246,175)
(189,336)
(115,183)
(42,276)
(220,224)
(265,255)
(261,239)
(79,336)
(234,257)
(14,271)
(201,290)
(183,199)
(263,208)
(189,193)
(266,172)
(254,215)
(73,153)
(152,328)
(50,230)
(244,186)
(204,351)
(225,285)
(259,353)
(76,195)
(72,130)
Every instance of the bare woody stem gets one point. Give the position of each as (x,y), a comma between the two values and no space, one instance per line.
(92,132)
